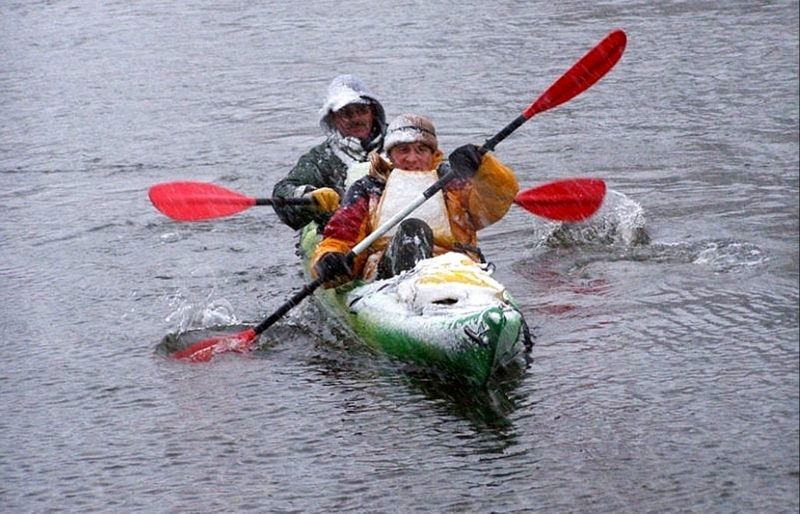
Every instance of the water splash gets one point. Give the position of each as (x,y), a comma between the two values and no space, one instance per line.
(619,221)
(728,255)
(190,316)
(721,256)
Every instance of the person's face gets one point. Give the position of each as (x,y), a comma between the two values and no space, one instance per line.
(354,120)
(412,156)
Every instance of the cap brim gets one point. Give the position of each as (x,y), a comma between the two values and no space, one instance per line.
(345,100)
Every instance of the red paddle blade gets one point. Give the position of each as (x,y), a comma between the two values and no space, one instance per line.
(196,201)
(204,351)
(588,70)
(564,200)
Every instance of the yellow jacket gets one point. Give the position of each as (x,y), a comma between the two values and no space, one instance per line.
(472,204)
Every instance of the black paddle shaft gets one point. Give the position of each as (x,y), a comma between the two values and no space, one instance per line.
(280,202)
(507,130)
(309,288)
(289,305)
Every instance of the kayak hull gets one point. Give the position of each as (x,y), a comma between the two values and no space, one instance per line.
(447,314)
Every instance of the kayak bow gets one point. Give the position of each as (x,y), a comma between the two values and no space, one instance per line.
(447,314)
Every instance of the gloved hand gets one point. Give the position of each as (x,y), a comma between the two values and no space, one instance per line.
(335,268)
(465,160)
(325,199)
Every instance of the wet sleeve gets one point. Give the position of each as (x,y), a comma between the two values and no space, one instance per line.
(349,224)
(304,177)
(494,187)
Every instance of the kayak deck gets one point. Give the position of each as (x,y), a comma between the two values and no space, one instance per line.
(448,313)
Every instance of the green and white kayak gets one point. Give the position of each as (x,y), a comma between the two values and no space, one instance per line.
(447,314)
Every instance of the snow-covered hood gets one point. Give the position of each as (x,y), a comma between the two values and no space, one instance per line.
(344,90)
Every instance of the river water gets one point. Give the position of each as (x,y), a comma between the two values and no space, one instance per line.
(664,375)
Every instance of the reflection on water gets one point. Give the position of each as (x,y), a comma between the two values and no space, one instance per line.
(490,407)
(486,406)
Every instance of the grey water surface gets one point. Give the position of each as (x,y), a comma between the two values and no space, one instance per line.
(664,377)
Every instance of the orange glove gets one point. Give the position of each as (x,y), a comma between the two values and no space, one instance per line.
(326,199)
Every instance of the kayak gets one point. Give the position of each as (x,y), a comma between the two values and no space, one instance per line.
(447,314)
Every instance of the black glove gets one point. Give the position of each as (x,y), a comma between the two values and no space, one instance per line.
(465,160)
(334,268)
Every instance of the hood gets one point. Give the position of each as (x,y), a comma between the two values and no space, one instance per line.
(345,90)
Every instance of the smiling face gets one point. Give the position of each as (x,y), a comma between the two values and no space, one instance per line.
(413,156)
(354,120)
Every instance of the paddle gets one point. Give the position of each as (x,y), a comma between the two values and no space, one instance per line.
(583,74)
(588,70)
(564,200)
(197,201)
(567,200)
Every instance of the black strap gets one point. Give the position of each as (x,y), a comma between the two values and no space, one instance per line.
(467,249)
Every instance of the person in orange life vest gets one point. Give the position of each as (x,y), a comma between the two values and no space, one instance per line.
(480,195)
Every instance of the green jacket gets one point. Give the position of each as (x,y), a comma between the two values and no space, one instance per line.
(326,164)
(319,167)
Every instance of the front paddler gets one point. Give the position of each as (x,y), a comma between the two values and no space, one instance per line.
(481,194)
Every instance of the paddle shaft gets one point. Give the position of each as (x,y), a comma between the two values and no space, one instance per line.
(309,288)
(280,202)
(296,298)
(507,130)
